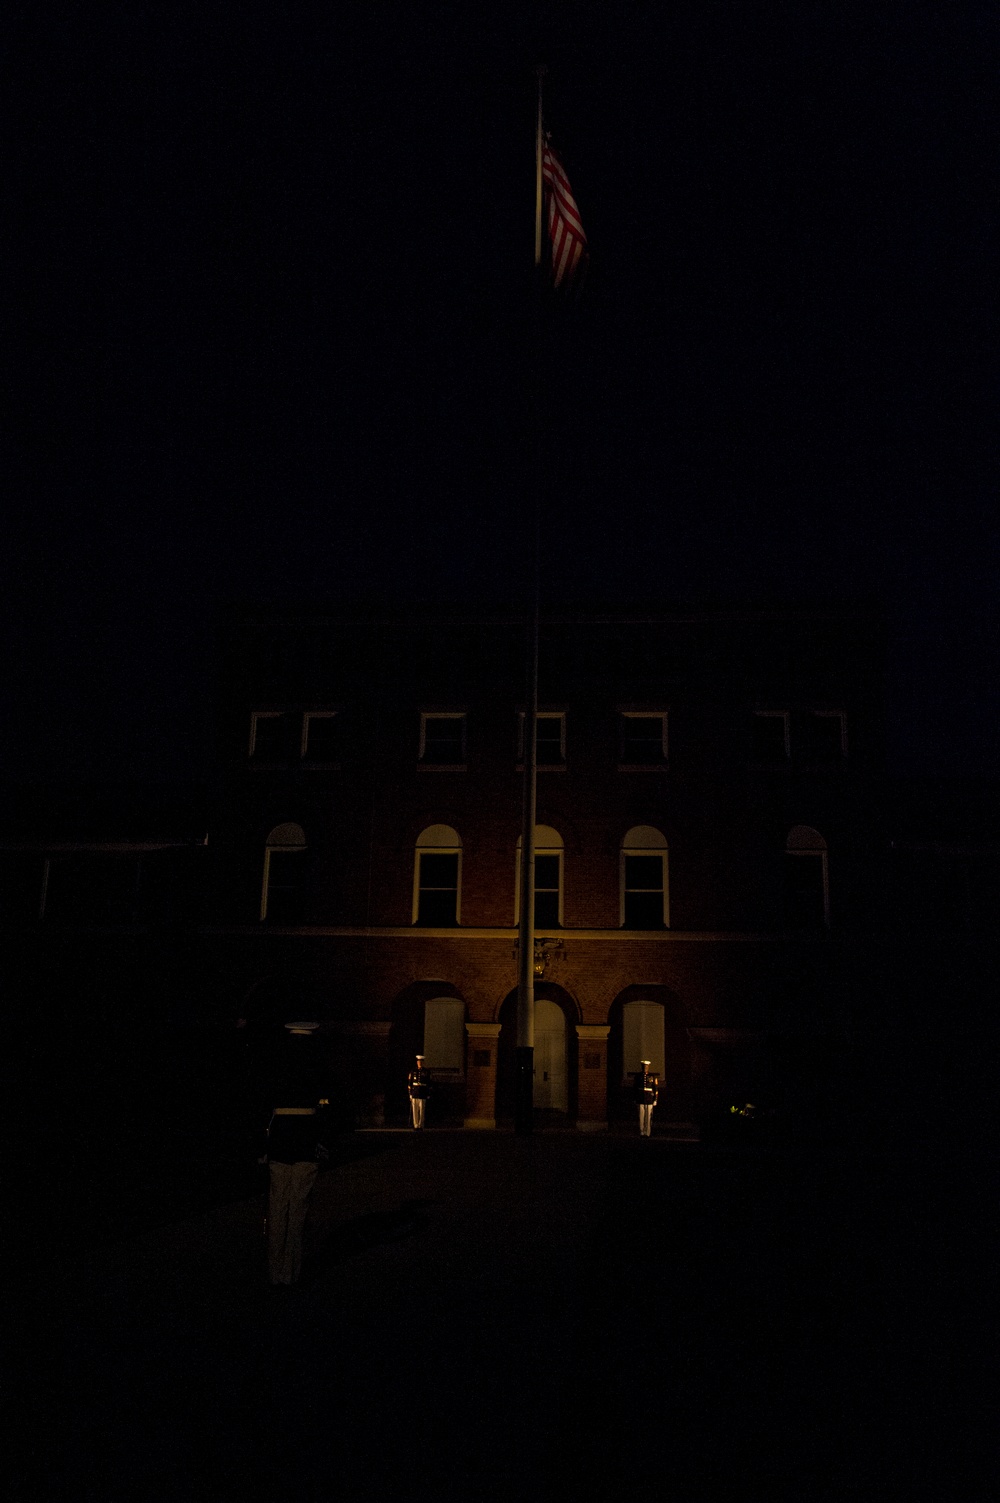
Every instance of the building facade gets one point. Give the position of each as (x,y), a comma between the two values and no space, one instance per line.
(708,829)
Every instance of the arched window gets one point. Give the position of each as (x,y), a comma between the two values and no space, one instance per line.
(548,878)
(807,881)
(282,897)
(437,877)
(645,896)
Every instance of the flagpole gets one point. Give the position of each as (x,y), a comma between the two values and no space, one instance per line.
(540,73)
(525,1037)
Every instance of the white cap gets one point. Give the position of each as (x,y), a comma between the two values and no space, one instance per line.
(645,1062)
(302,1027)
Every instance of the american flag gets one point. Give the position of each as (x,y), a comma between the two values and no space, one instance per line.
(569,243)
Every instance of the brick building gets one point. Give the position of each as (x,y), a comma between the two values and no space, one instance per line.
(708,827)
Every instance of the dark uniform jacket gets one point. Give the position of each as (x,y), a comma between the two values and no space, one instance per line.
(298,1136)
(647,1088)
(419,1083)
(299,1129)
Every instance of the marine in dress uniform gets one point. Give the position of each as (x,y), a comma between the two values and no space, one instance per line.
(296,1144)
(647,1091)
(419,1085)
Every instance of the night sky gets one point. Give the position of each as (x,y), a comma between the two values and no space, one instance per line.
(271,313)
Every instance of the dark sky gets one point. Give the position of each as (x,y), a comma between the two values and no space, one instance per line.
(271,277)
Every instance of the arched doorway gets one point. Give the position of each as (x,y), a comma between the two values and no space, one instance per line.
(648,1021)
(428,1017)
(555,1056)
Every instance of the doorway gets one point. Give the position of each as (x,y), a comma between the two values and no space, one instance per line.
(648,1022)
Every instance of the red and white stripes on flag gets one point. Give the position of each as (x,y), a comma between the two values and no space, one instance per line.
(569,243)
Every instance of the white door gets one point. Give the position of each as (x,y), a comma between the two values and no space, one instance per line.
(551,1065)
(642,1038)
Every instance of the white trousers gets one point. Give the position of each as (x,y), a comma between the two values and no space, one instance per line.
(287,1202)
(646,1118)
(418,1107)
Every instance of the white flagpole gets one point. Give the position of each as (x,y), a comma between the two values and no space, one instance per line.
(525,1037)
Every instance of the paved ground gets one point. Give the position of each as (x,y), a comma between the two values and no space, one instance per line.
(487,1316)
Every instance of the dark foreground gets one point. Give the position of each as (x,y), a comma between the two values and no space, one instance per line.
(567,1315)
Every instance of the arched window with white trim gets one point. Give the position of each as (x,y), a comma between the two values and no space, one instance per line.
(807,879)
(282,896)
(437,878)
(548,878)
(643,879)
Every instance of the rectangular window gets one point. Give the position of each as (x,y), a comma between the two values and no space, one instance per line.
(442,739)
(437,895)
(321,736)
(643,894)
(824,736)
(270,736)
(547,874)
(642,739)
(769,736)
(550,739)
